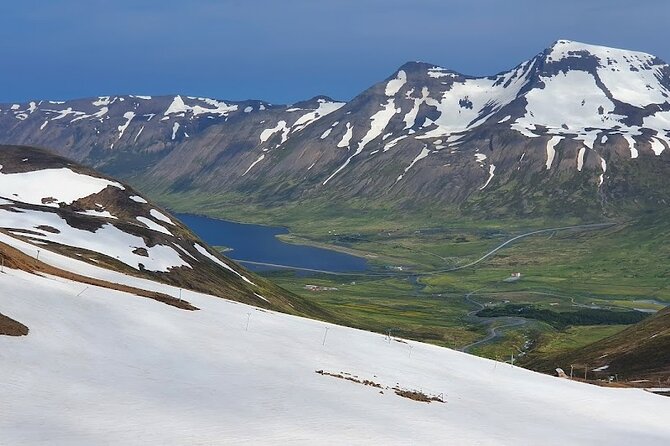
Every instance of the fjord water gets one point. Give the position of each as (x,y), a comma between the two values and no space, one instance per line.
(258,243)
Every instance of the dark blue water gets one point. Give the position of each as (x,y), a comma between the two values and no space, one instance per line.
(260,244)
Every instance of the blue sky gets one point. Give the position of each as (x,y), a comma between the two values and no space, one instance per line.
(288,50)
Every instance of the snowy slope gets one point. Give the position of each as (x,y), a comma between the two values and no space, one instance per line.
(106,367)
(51,204)
(50,191)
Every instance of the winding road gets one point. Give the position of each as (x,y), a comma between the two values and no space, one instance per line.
(513,239)
(493,332)
(492,335)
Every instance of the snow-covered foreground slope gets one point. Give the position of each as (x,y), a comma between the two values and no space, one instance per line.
(106,367)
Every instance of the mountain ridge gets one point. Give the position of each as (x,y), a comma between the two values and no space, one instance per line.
(576,117)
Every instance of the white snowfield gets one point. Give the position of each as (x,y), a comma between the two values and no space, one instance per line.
(107,240)
(630,76)
(212,106)
(64,185)
(107,367)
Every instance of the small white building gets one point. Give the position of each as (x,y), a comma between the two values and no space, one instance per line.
(513,277)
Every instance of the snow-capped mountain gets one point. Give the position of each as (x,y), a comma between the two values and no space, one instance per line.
(575,125)
(52,208)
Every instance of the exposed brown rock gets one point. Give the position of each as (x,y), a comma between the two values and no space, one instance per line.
(10,327)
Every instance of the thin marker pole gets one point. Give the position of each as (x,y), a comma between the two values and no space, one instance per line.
(324,336)
(248,317)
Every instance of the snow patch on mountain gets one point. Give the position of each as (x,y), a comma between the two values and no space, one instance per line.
(394,85)
(211,106)
(128,116)
(137,199)
(97,115)
(568,102)
(657,146)
(325,134)
(580,158)
(505,119)
(470,102)
(439,72)
(492,168)
(65,186)
(60,114)
(392,143)
(138,134)
(280,127)
(107,240)
(410,117)
(258,160)
(630,76)
(97,213)
(202,250)
(103,101)
(631,144)
(603,166)
(551,150)
(480,158)
(158,215)
(153,225)
(659,120)
(324,108)
(379,121)
(346,138)
(424,153)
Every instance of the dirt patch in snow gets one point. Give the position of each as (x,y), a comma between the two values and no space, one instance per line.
(352,378)
(13,258)
(418,396)
(47,228)
(414,395)
(10,327)
(141,252)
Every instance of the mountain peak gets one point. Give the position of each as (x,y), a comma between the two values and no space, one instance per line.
(564,48)
(314,102)
(415,66)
